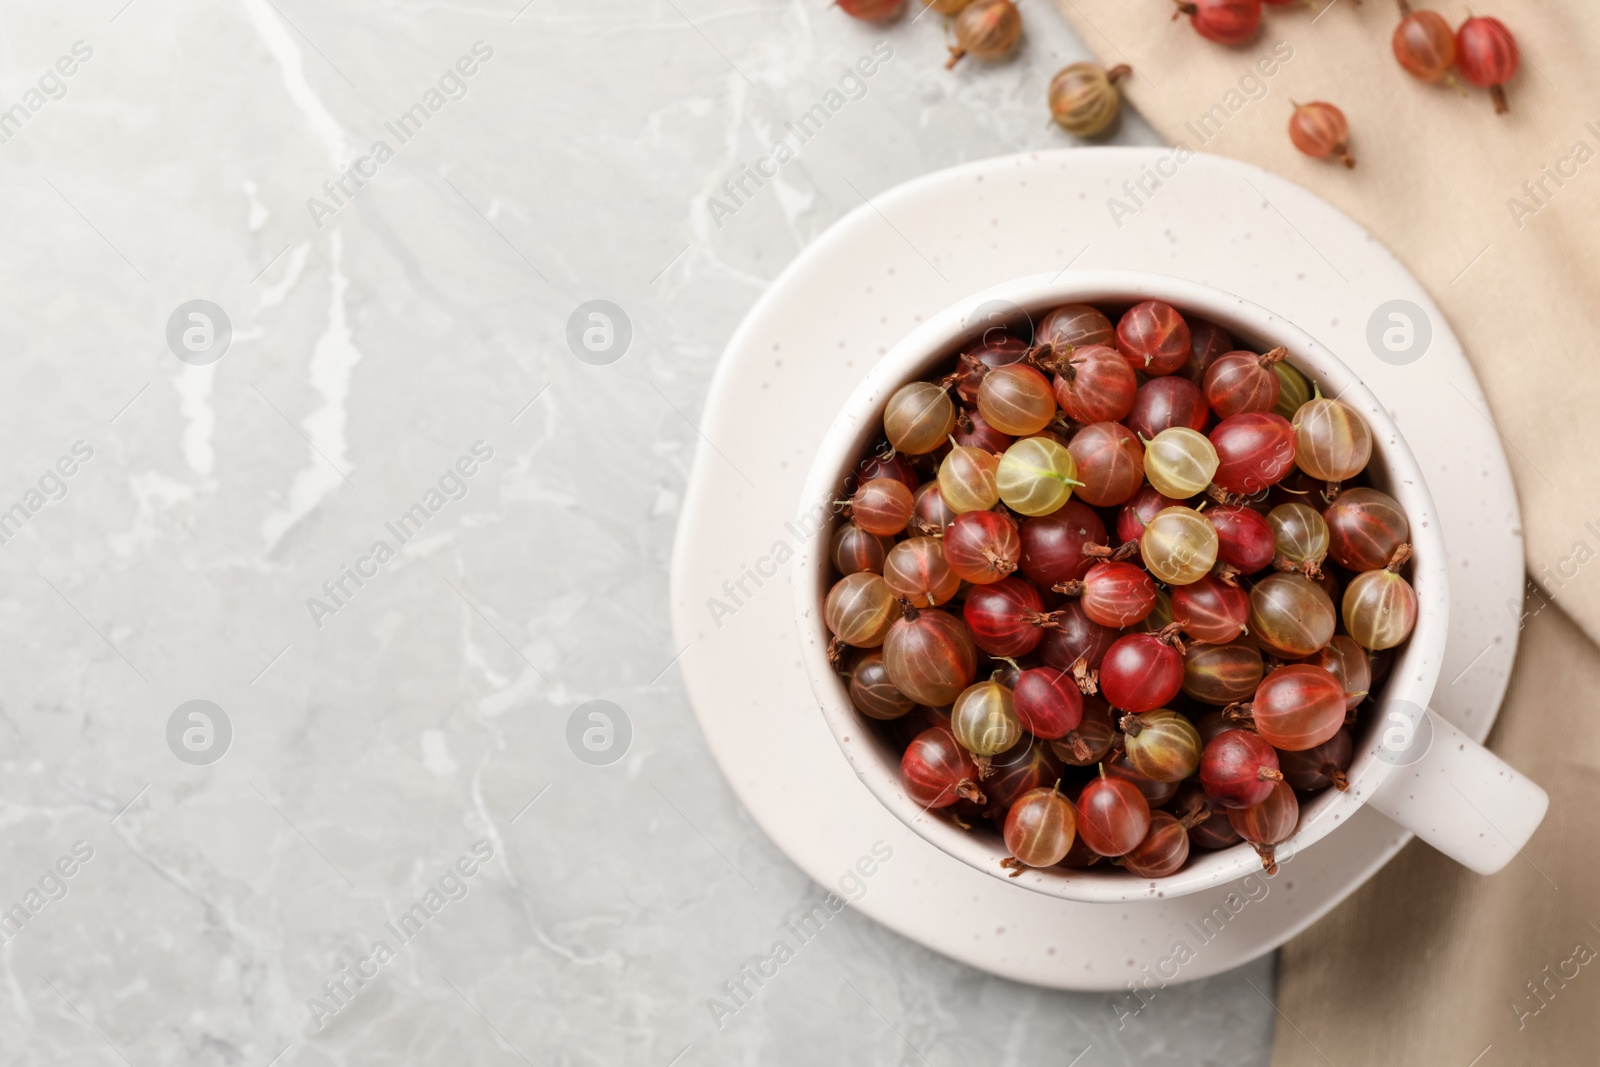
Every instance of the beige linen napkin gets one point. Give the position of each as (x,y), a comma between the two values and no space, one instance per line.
(1499,216)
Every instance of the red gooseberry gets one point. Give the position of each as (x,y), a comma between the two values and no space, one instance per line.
(1153,338)
(1238,769)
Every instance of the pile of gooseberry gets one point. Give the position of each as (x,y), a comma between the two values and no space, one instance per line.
(1117,588)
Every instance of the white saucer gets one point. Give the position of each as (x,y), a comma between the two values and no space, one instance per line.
(855,292)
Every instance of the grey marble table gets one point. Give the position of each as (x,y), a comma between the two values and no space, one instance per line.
(365,505)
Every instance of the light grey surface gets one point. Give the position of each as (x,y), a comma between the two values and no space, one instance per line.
(371,751)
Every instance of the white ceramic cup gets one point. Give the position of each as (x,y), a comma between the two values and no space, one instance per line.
(1409,764)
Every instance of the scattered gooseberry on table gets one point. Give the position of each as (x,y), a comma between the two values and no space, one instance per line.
(1424,44)
(1319,129)
(871,10)
(1084,99)
(1488,57)
(1231,22)
(988,29)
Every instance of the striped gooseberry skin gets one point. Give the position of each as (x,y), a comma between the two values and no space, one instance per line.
(984,719)
(1290,615)
(1006,618)
(882,506)
(1040,827)
(1164,850)
(1036,476)
(1351,664)
(1028,764)
(1180,462)
(982,547)
(1211,610)
(1300,535)
(1115,594)
(860,609)
(1017,400)
(1243,381)
(1254,451)
(916,570)
(1113,816)
(853,549)
(1332,441)
(1052,545)
(1365,527)
(997,348)
(1380,609)
(918,418)
(1298,707)
(930,657)
(1141,672)
(1048,702)
(1238,769)
(1109,463)
(1153,338)
(1269,823)
(1244,537)
(968,479)
(1178,546)
(1096,385)
(1162,403)
(1136,513)
(1222,674)
(1320,766)
(1073,326)
(1162,745)
(872,693)
(934,769)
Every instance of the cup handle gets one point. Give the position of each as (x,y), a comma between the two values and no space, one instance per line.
(1455,794)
